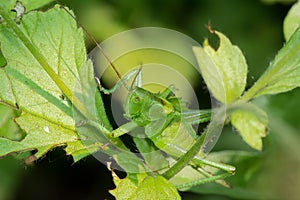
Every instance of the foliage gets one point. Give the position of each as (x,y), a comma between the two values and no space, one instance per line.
(49,57)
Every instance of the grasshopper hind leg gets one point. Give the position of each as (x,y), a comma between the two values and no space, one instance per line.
(219,178)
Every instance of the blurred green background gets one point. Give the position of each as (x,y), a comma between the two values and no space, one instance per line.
(255,26)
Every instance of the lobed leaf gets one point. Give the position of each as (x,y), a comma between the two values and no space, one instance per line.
(33,89)
(224,70)
(55,43)
(47,117)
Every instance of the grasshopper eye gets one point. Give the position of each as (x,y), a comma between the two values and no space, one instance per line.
(137,99)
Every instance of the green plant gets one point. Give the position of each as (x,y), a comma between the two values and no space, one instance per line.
(41,73)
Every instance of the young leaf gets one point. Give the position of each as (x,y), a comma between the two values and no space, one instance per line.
(251,122)
(144,187)
(224,70)
(291,21)
(283,73)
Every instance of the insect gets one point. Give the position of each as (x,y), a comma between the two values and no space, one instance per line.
(167,122)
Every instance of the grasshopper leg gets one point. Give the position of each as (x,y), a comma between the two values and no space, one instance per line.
(209,178)
(125,128)
(118,84)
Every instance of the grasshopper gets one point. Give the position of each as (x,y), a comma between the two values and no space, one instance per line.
(166,122)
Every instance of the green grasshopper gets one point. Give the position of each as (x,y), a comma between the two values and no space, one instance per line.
(163,115)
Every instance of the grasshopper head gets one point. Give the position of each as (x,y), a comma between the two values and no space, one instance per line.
(136,106)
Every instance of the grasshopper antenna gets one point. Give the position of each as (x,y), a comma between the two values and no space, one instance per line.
(93,39)
(137,77)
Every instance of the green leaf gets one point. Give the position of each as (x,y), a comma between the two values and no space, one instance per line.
(143,187)
(291,21)
(283,73)
(33,89)
(224,70)
(47,117)
(251,122)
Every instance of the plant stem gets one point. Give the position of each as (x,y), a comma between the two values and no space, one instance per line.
(253,91)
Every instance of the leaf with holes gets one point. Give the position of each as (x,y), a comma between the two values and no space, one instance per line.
(47,116)
(224,70)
